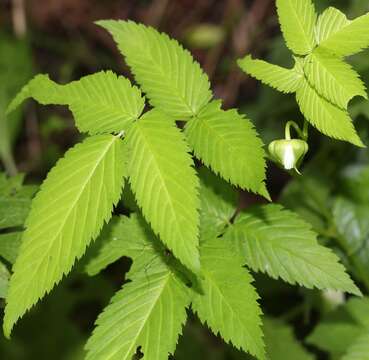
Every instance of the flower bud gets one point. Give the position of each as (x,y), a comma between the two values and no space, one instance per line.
(289,153)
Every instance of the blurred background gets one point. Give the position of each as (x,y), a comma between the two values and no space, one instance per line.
(58,37)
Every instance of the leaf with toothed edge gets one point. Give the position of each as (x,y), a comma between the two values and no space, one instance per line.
(101,103)
(277,242)
(167,73)
(282,79)
(165,184)
(68,212)
(228,143)
(227,301)
(148,312)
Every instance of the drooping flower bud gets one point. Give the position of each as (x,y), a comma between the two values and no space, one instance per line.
(289,153)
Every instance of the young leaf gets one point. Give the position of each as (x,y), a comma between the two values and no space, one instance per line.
(101,103)
(326,117)
(349,39)
(75,200)
(282,79)
(297,19)
(332,78)
(165,184)
(328,23)
(218,204)
(228,301)
(232,147)
(148,312)
(277,242)
(359,350)
(167,73)
(4,280)
(123,236)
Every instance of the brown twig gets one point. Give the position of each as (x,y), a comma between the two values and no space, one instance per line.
(19,18)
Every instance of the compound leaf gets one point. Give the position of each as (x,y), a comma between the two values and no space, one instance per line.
(349,39)
(101,103)
(326,117)
(328,23)
(172,80)
(228,143)
(73,203)
(148,312)
(297,19)
(277,242)
(165,184)
(227,301)
(282,79)
(123,236)
(332,78)
(218,204)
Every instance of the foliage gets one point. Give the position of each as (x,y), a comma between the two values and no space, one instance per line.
(194,251)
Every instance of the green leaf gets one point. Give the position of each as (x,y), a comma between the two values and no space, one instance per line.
(123,236)
(148,312)
(282,79)
(349,39)
(228,143)
(75,200)
(297,19)
(218,204)
(279,337)
(4,280)
(167,73)
(165,184)
(326,117)
(359,350)
(9,245)
(277,242)
(358,308)
(101,103)
(332,78)
(227,301)
(351,221)
(328,23)
(334,337)
(15,201)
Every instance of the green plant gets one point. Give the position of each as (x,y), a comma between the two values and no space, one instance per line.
(188,243)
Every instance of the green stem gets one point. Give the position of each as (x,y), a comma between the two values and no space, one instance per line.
(9,164)
(287,130)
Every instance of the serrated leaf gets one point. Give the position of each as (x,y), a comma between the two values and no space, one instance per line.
(279,337)
(297,19)
(123,236)
(73,203)
(227,301)
(332,78)
(148,312)
(326,117)
(282,79)
(350,39)
(167,73)
(101,103)
(228,143)
(277,242)
(9,245)
(218,204)
(165,184)
(359,350)
(328,23)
